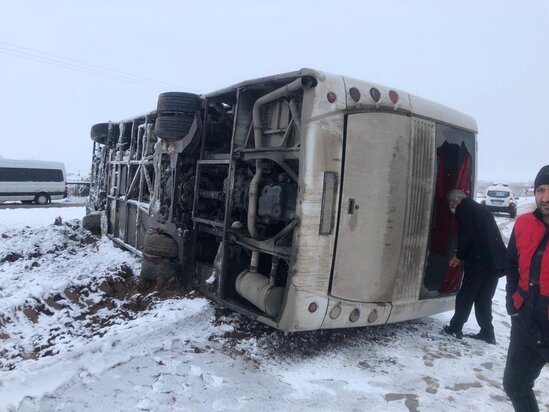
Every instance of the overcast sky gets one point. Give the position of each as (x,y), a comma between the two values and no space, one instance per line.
(489,59)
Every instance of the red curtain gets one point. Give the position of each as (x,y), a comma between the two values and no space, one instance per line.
(446,228)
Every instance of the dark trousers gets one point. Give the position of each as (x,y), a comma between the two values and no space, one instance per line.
(478,288)
(525,361)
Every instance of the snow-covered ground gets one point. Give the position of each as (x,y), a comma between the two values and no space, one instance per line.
(78,332)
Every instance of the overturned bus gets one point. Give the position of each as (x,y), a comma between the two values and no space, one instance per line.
(306,200)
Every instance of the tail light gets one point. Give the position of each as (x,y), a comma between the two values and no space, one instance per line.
(376,94)
(355,315)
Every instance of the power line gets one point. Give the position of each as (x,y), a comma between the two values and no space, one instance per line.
(80,69)
(72,64)
(76,65)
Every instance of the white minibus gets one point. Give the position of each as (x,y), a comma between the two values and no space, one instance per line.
(31,181)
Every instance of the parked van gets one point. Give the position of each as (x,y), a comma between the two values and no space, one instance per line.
(31,181)
(500,198)
(306,200)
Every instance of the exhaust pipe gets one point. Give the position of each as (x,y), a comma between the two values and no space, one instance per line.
(257,289)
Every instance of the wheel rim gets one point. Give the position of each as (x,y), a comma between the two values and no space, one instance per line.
(42,200)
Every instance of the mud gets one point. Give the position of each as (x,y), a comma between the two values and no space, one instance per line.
(93,307)
(410,400)
(11,257)
(123,296)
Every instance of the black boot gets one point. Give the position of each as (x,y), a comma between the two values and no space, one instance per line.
(484,336)
(449,330)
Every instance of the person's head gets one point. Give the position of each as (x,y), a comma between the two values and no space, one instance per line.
(541,192)
(454,199)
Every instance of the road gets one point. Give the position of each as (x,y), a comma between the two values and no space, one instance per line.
(506,224)
(33,206)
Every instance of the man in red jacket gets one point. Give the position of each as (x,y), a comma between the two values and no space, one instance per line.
(528,299)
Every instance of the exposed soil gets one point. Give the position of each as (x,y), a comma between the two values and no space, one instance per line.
(252,340)
(86,310)
(12,257)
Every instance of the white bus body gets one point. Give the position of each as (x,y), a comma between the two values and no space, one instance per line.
(307,200)
(32,181)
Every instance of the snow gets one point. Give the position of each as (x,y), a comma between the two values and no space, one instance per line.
(68,342)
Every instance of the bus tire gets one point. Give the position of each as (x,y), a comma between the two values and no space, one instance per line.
(173,127)
(148,270)
(177,102)
(92,221)
(159,268)
(160,244)
(99,133)
(42,199)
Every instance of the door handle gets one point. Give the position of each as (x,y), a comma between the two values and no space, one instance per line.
(351,206)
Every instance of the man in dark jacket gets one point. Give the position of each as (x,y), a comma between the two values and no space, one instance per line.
(482,252)
(528,299)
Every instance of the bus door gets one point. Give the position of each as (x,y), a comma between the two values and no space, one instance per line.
(375,191)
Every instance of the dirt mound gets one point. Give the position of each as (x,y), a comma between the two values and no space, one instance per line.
(82,310)
(88,310)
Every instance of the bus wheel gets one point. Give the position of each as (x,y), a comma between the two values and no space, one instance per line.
(152,269)
(99,132)
(92,221)
(160,244)
(41,199)
(177,102)
(173,127)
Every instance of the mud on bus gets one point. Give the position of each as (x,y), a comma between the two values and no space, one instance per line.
(306,200)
